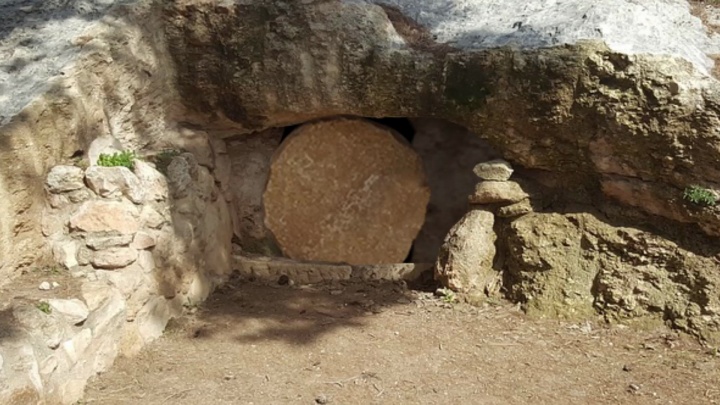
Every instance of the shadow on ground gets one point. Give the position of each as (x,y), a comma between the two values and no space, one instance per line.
(294,315)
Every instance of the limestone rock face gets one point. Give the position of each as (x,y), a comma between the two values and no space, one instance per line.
(345,190)
(465,263)
(571,265)
(541,105)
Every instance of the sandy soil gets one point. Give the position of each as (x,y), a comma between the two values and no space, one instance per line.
(384,344)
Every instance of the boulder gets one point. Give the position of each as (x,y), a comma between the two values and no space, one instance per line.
(465,262)
(345,190)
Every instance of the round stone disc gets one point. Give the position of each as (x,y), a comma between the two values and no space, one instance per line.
(345,190)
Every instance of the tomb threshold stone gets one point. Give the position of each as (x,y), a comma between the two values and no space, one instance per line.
(345,190)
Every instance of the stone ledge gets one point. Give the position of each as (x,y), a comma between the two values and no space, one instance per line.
(271,269)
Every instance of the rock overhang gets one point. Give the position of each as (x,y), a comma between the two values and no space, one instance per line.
(633,28)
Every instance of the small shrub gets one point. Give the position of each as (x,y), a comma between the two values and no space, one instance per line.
(700,196)
(44,307)
(162,160)
(124,159)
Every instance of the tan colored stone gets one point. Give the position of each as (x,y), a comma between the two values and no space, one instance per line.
(494,170)
(64,178)
(465,262)
(65,253)
(153,182)
(346,190)
(105,216)
(74,310)
(271,269)
(114,258)
(102,241)
(143,240)
(112,182)
(151,218)
(515,210)
(490,192)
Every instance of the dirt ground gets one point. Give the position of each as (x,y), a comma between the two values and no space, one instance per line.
(384,344)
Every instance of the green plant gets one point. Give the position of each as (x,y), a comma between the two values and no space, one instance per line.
(124,159)
(447,295)
(700,195)
(44,307)
(162,160)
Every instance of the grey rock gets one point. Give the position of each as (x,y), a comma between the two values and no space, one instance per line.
(105,144)
(65,253)
(515,210)
(105,216)
(153,182)
(64,178)
(465,262)
(114,258)
(491,192)
(494,170)
(74,310)
(103,241)
(182,172)
(143,240)
(112,182)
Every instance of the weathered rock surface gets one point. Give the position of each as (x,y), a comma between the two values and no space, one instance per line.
(491,192)
(465,263)
(250,157)
(114,182)
(515,210)
(574,264)
(106,216)
(153,182)
(113,258)
(65,178)
(74,310)
(494,170)
(103,241)
(633,119)
(345,190)
(543,107)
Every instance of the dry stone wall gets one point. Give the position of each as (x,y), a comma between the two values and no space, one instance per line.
(143,244)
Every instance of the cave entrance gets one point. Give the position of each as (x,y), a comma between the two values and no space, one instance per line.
(319,174)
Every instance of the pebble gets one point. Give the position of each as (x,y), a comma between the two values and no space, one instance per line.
(321,399)
(45,286)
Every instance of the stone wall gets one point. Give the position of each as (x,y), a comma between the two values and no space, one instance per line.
(143,244)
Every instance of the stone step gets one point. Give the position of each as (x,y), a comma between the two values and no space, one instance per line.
(270,269)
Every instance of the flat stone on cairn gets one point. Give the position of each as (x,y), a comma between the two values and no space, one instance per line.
(345,190)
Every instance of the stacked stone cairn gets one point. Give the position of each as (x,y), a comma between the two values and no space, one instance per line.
(466,260)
